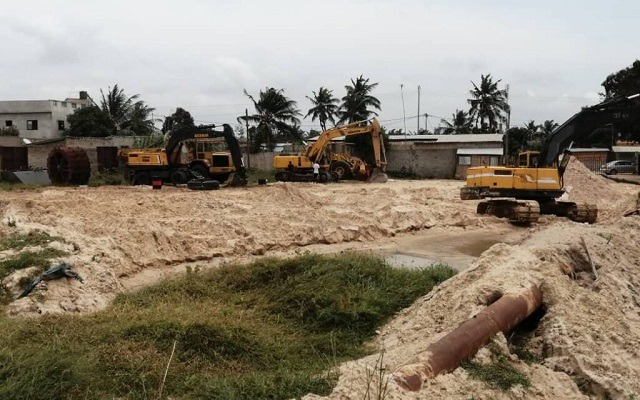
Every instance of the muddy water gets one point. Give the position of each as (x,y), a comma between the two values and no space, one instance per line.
(456,248)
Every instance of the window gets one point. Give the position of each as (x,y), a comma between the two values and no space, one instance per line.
(464,160)
(55,103)
(60,125)
(8,123)
(32,124)
(73,105)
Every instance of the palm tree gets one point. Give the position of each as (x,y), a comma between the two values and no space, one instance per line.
(126,113)
(488,104)
(356,103)
(548,126)
(276,116)
(460,124)
(324,108)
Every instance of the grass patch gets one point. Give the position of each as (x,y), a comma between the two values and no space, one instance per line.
(501,375)
(28,259)
(273,329)
(20,186)
(35,238)
(106,178)
(253,174)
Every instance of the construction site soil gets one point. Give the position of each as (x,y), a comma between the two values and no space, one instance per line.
(587,344)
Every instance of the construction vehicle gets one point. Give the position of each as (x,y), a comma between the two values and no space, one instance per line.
(335,166)
(189,155)
(521,193)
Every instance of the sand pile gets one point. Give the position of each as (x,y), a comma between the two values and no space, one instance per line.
(582,185)
(587,344)
(118,232)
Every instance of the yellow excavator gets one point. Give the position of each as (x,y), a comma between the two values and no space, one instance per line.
(521,193)
(335,166)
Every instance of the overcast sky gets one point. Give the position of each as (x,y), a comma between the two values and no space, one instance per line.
(200,55)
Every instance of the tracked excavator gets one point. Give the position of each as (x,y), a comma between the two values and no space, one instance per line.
(335,166)
(189,155)
(521,193)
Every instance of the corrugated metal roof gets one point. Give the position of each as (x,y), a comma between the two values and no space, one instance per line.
(481,137)
(497,151)
(588,150)
(626,149)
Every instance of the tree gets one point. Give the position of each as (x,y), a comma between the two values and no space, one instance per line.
(126,113)
(356,103)
(488,104)
(89,122)
(117,115)
(625,82)
(548,126)
(276,118)
(518,138)
(324,108)
(181,118)
(460,123)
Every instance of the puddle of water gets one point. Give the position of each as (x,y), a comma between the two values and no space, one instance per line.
(408,261)
(476,247)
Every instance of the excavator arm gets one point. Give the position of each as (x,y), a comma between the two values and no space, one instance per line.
(585,122)
(314,151)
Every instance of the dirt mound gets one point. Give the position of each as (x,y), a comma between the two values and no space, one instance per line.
(119,232)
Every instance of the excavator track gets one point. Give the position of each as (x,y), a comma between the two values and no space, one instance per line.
(583,212)
(517,211)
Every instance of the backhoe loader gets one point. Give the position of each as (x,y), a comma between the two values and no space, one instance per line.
(189,155)
(521,193)
(335,166)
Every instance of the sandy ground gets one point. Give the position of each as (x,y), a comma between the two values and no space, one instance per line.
(126,237)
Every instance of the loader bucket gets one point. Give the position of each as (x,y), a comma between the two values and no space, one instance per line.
(378,176)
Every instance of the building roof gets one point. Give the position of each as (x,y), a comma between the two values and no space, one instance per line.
(589,150)
(470,138)
(626,149)
(492,151)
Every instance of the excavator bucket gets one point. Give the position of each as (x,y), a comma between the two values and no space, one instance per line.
(378,176)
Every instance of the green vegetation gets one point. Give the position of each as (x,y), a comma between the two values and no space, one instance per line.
(35,238)
(403,173)
(20,186)
(106,178)
(501,375)
(25,259)
(273,329)
(254,174)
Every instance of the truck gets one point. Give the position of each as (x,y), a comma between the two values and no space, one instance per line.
(524,191)
(190,153)
(335,166)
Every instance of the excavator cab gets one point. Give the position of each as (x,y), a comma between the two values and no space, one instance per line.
(528,159)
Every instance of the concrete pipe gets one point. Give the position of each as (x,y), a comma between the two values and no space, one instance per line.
(446,354)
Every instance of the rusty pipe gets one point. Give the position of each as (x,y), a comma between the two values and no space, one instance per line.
(446,354)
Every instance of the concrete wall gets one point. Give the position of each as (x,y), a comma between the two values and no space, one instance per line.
(46,112)
(260,160)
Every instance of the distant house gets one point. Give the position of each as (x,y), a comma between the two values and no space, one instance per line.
(40,119)
(443,156)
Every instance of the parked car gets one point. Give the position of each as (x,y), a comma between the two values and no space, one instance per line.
(619,167)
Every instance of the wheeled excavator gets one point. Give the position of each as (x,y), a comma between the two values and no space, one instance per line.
(335,166)
(521,193)
(189,154)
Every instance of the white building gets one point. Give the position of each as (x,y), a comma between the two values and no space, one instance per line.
(40,119)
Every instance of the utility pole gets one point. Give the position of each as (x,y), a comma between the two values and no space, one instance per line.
(506,140)
(418,131)
(246,123)
(404,115)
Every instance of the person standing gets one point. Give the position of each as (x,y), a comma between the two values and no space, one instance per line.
(316,171)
